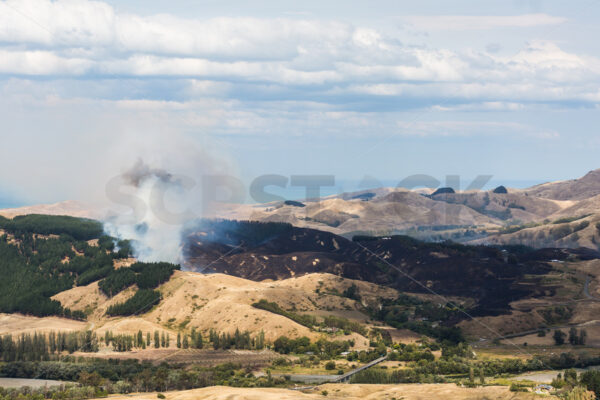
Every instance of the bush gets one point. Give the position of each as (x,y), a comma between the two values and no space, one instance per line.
(559,337)
(518,387)
(281,362)
(591,379)
(160,396)
(330,365)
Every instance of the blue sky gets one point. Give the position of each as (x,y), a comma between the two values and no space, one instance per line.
(384,89)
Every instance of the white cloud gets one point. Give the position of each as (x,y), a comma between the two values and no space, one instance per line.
(81,23)
(480,22)
(282,58)
(40,62)
(483,106)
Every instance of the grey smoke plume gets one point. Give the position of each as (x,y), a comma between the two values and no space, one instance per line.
(157,198)
(141,172)
(154,239)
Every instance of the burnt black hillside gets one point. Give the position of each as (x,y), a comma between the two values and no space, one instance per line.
(492,276)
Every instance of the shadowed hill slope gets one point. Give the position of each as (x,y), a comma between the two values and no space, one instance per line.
(493,277)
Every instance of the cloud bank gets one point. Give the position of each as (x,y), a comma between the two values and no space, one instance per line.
(286,58)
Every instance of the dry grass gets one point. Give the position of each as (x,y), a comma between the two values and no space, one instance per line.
(224,303)
(341,391)
(16,324)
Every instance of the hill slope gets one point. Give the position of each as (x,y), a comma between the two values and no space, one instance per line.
(575,189)
(487,275)
(224,303)
(461,217)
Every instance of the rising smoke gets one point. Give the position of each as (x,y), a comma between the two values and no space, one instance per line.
(154,237)
(157,199)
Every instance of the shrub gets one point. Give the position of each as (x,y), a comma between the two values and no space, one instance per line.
(330,365)
(591,379)
(280,362)
(518,387)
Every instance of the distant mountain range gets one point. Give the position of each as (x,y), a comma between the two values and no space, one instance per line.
(555,214)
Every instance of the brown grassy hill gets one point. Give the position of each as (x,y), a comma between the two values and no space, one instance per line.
(574,232)
(575,189)
(401,211)
(587,206)
(512,205)
(397,210)
(69,207)
(388,211)
(224,303)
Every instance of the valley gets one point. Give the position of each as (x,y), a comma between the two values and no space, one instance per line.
(260,305)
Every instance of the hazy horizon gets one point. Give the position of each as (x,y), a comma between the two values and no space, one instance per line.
(341,186)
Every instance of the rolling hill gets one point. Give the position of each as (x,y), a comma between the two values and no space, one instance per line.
(466,217)
(575,189)
(491,277)
(224,303)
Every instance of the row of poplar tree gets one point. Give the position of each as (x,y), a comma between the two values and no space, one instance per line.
(194,340)
(123,342)
(42,346)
